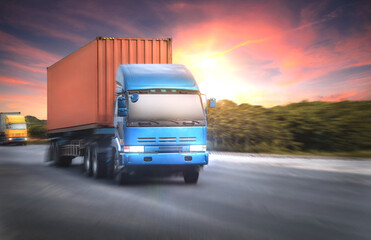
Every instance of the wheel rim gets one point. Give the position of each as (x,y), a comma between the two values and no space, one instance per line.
(55,153)
(95,165)
(87,160)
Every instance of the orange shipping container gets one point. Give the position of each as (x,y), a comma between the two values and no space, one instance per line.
(81,87)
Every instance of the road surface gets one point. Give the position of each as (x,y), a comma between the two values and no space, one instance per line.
(239,196)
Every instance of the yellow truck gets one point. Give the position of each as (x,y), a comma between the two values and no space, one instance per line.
(13,128)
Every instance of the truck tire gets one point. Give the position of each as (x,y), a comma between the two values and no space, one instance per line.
(190,176)
(98,164)
(65,161)
(111,164)
(56,159)
(87,162)
(53,153)
(121,178)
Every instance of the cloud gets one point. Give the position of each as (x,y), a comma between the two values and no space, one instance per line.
(94,12)
(265,52)
(53,32)
(28,104)
(339,97)
(27,67)
(11,80)
(19,47)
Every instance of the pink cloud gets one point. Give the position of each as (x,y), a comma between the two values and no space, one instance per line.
(53,32)
(27,104)
(94,12)
(12,44)
(11,80)
(301,53)
(22,66)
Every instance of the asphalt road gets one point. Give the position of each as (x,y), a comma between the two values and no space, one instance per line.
(239,196)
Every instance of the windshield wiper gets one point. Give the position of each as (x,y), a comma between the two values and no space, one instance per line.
(191,123)
(148,122)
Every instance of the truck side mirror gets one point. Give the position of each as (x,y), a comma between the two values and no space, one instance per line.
(212,102)
(134,98)
(119,90)
(122,112)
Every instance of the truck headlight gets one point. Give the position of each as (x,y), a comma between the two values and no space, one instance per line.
(25,139)
(197,148)
(133,148)
(10,139)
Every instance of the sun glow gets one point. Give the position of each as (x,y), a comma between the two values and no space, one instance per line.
(216,76)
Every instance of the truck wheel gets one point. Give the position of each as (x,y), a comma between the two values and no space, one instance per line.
(111,164)
(98,165)
(87,162)
(121,178)
(190,176)
(64,161)
(53,153)
(56,159)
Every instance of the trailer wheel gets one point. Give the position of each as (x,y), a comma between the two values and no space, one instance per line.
(53,153)
(56,158)
(98,164)
(87,162)
(191,176)
(65,161)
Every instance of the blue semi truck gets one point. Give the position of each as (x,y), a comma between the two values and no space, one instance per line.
(161,120)
(159,126)
(123,107)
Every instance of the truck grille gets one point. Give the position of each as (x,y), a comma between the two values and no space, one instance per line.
(17,135)
(170,149)
(146,140)
(166,139)
(187,139)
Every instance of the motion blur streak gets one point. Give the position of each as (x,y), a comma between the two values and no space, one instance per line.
(239,196)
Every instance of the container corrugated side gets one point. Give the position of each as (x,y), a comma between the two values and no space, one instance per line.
(81,86)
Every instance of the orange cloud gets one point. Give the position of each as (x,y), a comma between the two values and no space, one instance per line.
(11,80)
(12,44)
(91,12)
(339,97)
(52,32)
(18,65)
(28,105)
(244,54)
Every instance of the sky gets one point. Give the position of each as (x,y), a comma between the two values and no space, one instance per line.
(258,52)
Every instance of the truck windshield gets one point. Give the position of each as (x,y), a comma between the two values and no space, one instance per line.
(166,109)
(16,126)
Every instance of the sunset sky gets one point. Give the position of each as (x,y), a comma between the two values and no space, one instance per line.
(258,52)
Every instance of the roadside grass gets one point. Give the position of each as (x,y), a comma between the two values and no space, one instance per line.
(354,154)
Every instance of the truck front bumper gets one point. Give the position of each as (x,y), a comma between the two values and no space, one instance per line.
(186,158)
(16,140)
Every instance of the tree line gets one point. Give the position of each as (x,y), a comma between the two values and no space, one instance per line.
(305,126)
(298,127)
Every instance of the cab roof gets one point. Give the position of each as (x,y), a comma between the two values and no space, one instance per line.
(155,76)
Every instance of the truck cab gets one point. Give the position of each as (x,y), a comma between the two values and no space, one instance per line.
(160,121)
(13,128)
